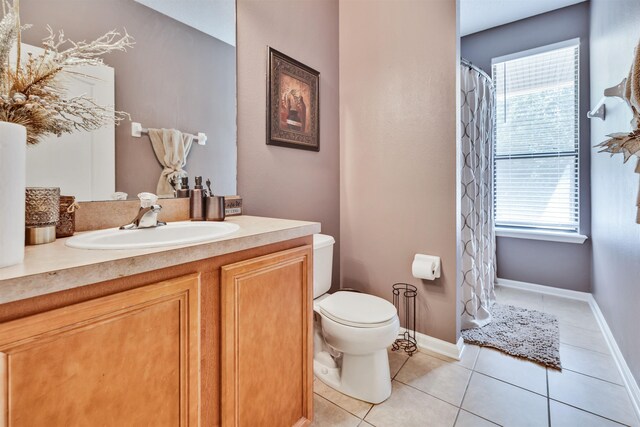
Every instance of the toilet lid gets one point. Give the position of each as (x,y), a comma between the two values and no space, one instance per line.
(353,308)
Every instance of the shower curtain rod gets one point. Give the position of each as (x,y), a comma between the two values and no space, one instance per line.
(468,63)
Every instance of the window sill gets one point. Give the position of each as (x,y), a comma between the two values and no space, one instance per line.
(550,236)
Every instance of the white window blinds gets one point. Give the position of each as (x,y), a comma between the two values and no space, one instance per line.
(536,175)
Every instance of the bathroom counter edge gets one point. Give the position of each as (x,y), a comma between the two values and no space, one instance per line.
(55,267)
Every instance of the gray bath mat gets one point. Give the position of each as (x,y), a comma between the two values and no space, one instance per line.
(520,332)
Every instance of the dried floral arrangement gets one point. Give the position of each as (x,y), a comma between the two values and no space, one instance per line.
(31,93)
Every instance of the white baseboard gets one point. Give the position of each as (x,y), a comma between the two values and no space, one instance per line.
(629,381)
(429,344)
(543,289)
(628,378)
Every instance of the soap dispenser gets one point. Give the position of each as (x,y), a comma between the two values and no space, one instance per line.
(196,206)
(183,191)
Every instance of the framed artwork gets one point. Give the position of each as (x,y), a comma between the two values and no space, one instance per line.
(293,103)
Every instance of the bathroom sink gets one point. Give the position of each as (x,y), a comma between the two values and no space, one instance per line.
(176,233)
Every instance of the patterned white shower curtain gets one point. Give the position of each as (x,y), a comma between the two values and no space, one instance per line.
(477,234)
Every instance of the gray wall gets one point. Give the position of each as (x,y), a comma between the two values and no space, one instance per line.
(175,76)
(278,181)
(398,133)
(563,265)
(616,236)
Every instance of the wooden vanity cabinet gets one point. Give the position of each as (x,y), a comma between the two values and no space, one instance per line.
(125,359)
(267,352)
(224,341)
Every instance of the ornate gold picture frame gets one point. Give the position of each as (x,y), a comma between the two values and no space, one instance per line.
(293,103)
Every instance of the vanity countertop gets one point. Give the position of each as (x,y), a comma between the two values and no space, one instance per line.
(55,267)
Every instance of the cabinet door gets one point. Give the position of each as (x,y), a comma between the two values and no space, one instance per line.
(267,355)
(128,359)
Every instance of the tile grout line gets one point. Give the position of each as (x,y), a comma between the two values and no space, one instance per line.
(591,376)
(424,392)
(465,391)
(546,369)
(481,417)
(588,349)
(473,371)
(466,410)
(511,384)
(601,333)
(597,353)
(459,407)
(369,403)
(475,362)
(429,394)
(453,362)
(588,412)
(455,421)
(584,348)
(348,411)
(568,323)
(340,407)
(365,415)
(441,357)
(372,405)
(546,376)
(401,366)
(449,403)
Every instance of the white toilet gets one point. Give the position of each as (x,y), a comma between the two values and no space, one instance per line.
(352,334)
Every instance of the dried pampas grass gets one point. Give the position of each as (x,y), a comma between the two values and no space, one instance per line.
(31,93)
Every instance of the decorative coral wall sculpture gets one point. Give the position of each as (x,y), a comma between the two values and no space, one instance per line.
(629,143)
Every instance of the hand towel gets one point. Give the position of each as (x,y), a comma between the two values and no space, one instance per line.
(171,148)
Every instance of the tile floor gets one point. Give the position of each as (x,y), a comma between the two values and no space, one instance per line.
(488,388)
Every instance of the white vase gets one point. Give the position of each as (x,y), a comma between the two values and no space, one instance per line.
(13,152)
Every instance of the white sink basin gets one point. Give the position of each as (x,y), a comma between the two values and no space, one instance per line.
(176,233)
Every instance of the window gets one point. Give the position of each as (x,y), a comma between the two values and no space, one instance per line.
(536,173)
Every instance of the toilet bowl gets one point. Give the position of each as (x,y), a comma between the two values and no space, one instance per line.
(351,334)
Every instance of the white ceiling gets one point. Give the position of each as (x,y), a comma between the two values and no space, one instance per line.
(214,17)
(479,15)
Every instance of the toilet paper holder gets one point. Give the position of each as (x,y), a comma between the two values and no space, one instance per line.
(426,267)
(404,299)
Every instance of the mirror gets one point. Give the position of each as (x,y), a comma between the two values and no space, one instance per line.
(180,74)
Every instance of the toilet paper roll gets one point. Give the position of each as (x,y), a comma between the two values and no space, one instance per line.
(426,267)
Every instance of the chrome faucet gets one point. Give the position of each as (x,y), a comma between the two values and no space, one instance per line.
(146,218)
(147,215)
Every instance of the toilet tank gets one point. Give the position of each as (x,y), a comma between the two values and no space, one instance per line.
(322,263)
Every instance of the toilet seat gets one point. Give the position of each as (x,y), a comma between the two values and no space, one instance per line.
(357,310)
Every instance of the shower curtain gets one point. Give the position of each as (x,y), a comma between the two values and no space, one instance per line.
(477,233)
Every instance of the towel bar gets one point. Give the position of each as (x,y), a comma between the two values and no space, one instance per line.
(137,130)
